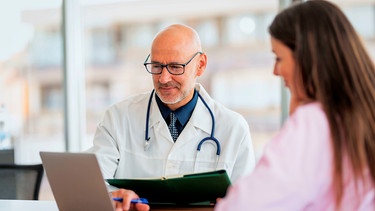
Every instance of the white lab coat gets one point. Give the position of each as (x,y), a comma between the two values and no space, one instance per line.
(120,138)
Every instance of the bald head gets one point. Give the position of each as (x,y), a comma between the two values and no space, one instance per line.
(177,45)
(177,38)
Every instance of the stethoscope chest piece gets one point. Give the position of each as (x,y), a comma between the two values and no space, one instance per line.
(147,145)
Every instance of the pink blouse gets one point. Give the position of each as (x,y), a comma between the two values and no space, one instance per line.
(295,172)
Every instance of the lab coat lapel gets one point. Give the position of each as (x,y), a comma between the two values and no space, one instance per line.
(201,117)
(200,121)
(157,124)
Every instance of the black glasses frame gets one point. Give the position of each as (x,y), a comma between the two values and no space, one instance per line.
(166,65)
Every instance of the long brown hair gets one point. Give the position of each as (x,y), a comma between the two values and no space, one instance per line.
(336,71)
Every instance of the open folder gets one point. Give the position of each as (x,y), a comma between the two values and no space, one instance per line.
(179,189)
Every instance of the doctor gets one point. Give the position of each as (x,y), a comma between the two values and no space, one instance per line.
(134,140)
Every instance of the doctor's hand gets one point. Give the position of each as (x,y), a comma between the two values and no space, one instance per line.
(127,196)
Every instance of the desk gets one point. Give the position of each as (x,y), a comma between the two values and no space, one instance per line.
(173,208)
(34,205)
(30,205)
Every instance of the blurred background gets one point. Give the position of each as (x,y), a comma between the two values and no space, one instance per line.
(62,63)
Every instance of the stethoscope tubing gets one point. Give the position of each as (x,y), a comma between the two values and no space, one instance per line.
(212,137)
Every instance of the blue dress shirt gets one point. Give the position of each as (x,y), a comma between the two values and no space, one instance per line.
(183,114)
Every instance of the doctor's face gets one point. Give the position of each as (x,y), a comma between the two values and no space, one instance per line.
(176,90)
(177,44)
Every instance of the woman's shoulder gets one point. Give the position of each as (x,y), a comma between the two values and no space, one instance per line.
(311,110)
(309,120)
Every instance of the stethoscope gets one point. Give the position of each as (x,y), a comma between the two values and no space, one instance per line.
(210,138)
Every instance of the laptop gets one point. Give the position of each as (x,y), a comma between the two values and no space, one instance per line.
(76,181)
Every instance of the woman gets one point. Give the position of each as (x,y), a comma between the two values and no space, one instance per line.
(324,156)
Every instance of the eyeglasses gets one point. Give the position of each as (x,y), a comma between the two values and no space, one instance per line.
(174,69)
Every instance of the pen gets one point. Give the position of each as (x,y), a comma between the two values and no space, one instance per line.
(140,200)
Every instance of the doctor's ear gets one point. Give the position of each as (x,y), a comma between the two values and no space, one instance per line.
(202,63)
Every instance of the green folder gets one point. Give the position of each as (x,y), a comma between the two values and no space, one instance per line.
(182,189)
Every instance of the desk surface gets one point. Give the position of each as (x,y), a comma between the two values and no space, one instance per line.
(174,208)
(33,205)
(30,205)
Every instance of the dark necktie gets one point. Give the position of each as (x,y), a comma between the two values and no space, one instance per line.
(172,126)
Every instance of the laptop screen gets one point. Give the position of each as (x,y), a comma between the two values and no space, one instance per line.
(76,181)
